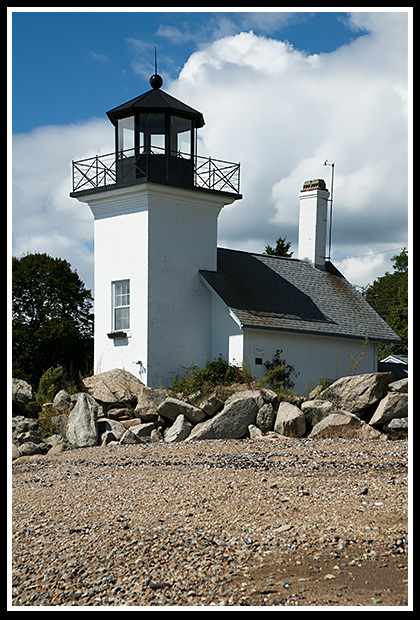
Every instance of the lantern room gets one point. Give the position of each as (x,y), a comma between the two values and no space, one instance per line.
(155,138)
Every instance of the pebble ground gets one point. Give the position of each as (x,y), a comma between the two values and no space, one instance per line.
(254,523)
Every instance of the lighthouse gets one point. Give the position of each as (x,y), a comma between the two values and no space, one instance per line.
(155,203)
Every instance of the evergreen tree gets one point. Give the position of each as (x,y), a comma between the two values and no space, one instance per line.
(282,248)
(388,295)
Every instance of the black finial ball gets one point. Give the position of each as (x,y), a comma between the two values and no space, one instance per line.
(156,81)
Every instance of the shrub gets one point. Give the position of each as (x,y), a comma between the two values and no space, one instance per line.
(55,379)
(217,372)
(278,374)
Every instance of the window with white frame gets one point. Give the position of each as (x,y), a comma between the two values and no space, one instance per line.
(121,305)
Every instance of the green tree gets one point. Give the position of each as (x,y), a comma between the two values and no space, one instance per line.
(282,248)
(52,320)
(388,295)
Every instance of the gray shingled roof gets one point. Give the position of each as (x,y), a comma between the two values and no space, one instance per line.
(286,294)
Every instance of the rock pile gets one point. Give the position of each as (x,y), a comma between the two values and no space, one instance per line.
(118,409)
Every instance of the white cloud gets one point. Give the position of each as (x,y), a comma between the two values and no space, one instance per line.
(282,113)
(44,217)
(279,112)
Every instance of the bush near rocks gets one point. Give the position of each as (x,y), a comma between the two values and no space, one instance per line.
(369,406)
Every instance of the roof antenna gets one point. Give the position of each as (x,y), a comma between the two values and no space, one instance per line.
(155,81)
(331,199)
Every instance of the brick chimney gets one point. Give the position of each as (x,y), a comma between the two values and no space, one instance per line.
(313,203)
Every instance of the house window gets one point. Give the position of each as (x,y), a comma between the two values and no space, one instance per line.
(121,304)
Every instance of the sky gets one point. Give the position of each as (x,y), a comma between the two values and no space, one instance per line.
(281,92)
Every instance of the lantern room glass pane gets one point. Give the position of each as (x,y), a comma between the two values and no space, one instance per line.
(152,137)
(126,133)
(181,136)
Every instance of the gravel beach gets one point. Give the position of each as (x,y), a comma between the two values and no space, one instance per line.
(263,522)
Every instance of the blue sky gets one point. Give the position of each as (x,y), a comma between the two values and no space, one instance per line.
(280,92)
(71,66)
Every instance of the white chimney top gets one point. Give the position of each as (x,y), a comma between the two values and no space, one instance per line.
(313,199)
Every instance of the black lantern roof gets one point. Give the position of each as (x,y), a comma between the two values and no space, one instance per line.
(155,100)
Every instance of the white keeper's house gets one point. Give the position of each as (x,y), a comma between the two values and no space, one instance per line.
(167,296)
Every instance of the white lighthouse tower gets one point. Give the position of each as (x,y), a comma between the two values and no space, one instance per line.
(155,204)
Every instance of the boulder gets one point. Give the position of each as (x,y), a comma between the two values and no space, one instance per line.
(29,448)
(346,426)
(120,414)
(142,431)
(256,394)
(269,396)
(62,402)
(22,398)
(266,417)
(171,408)
(15,452)
(290,421)
(179,430)
(147,404)
(107,425)
(212,405)
(20,424)
(316,410)
(82,428)
(114,388)
(129,438)
(394,405)
(400,386)
(397,428)
(254,431)
(230,423)
(357,393)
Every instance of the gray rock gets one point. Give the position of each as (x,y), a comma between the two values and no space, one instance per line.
(143,431)
(179,430)
(212,405)
(107,425)
(82,429)
(62,402)
(290,421)
(32,436)
(254,431)
(147,404)
(396,428)
(230,423)
(316,410)
(269,396)
(256,394)
(129,438)
(171,408)
(357,393)
(400,386)
(22,397)
(116,387)
(346,426)
(394,405)
(106,438)
(29,447)
(15,452)
(266,417)
(20,424)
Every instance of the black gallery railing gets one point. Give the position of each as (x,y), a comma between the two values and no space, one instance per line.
(175,168)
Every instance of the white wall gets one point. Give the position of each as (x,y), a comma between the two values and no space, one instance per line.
(158,237)
(182,240)
(120,254)
(314,357)
(227,337)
